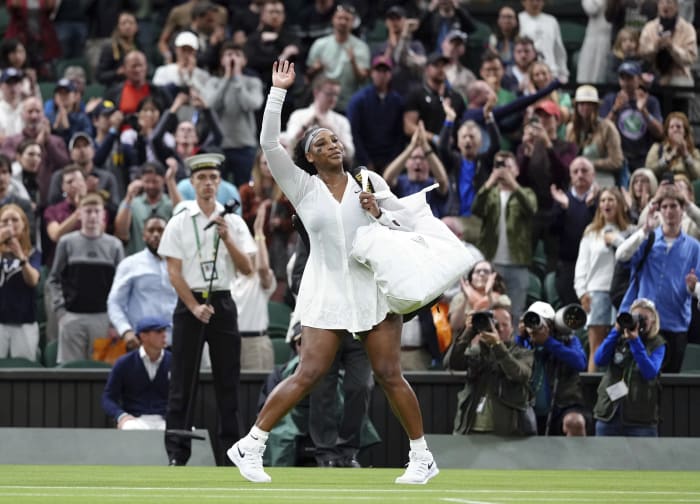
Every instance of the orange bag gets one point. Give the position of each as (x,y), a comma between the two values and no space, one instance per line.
(108,349)
(442,325)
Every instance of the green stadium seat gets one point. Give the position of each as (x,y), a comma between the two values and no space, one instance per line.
(534,290)
(62,64)
(550,290)
(46,89)
(19,362)
(50,354)
(4,19)
(691,359)
(95,90)
(279,314)
(84,364)
(696,190)
(283,351)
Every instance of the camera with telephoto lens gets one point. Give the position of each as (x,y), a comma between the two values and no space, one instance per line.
(632,321)
(568,318)
(483,321)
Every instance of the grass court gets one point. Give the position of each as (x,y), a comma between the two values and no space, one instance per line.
(24,484)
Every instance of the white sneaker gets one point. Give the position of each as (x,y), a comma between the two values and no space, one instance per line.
(421,468)
(249,462)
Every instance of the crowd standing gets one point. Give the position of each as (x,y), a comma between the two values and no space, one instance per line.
(551,187)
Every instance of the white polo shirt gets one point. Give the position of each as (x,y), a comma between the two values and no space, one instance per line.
(185,239)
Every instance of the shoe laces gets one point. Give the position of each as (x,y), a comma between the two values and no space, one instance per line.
(418,462)
(256,461)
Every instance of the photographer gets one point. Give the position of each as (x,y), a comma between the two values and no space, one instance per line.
(555,380)
(496,397)
(628,394)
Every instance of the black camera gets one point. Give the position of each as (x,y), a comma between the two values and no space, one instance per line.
(483,321)
(533,320)
(500,163)
(632,321)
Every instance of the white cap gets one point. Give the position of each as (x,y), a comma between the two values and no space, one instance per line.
(187,38)
(542,309)
(206,161)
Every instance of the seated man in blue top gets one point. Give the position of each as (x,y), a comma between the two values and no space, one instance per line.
(136,393)
(423,168)
(555,382)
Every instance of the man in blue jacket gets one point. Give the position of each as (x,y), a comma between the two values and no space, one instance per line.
(136,394)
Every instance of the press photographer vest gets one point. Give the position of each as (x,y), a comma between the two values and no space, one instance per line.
(641,404)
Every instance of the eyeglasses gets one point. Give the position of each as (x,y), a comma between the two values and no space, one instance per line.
(482,271)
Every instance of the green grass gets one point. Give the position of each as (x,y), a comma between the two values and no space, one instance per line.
(129,484)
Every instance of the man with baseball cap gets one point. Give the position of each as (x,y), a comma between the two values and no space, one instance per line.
(136,393)
(635,113)
(555,382)
(375,113)
(65,115)
(184,72)
(11,96)
(81,149)
(202,261)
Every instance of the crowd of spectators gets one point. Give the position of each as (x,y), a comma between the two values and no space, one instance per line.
(545,183)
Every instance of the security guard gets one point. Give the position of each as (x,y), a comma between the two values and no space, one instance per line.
(190,251)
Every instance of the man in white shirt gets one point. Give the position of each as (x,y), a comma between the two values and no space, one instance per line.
(137,400)
(320,113)
(184,72)
(205,310)
(11,82)
(544,30)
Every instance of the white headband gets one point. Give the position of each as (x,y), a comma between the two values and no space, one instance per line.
(313,135)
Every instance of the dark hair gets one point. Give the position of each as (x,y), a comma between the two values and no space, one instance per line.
(153,216)
(155,167)
(5,162)
(8,46)
(26,143)
(500,36)
(499,285)
(490,55)
(154,100)
(70,168)
(300,154)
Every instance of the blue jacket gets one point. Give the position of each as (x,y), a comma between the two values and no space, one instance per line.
(662,279)
(129,390)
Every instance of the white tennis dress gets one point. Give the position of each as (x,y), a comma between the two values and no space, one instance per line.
(336,292)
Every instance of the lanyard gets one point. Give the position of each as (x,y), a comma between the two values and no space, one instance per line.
(199,244)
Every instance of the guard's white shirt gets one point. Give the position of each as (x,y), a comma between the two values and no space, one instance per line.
(180,242)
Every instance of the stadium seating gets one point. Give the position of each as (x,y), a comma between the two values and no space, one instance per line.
(50,354)
(550,290)
(534,290)
(279,314)
(691,359)
(84,364)
(19,362)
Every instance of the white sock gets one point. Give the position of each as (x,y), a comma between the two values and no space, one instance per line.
(419,444)
(257,435)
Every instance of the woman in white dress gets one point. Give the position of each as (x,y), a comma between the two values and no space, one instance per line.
(595,50)
(336,294)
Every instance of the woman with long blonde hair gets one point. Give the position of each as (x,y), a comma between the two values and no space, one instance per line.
(19,276)
(596,263)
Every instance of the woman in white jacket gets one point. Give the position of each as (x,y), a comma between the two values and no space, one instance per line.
(337,294)
(595,265)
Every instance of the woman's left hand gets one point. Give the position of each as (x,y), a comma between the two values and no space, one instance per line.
(15,248)
(369,203)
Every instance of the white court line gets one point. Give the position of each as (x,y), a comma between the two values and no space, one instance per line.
(267,488)
(398,488)
(465,501)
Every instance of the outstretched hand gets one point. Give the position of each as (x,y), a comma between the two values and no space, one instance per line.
(283,74)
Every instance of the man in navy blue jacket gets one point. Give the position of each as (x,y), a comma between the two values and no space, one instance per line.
(136,394)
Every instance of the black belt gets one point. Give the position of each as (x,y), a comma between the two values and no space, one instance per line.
(252,334)
(411,348)
(212,295)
